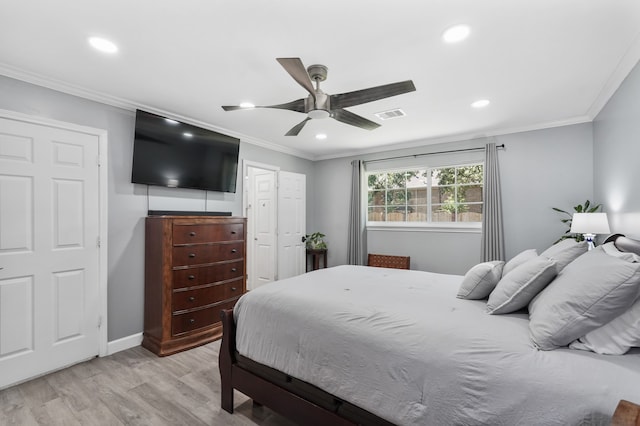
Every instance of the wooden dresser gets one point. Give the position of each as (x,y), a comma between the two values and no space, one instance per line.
(194,268)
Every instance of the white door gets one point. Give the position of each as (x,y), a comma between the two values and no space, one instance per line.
(291,224)
(261,219)
(49,228)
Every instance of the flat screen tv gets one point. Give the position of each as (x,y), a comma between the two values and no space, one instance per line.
(178,155)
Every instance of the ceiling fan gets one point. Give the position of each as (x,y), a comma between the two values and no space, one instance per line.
(320,105)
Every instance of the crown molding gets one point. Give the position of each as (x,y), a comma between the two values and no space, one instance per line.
(460,137)
(619,74)
(103,98)
(623,69)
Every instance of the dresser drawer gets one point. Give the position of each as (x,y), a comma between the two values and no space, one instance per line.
(207,253)
(189,299)
(193,320)
(192,277)
(204,233)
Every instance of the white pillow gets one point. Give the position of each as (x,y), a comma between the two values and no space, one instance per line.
(588,293)
(614,338)
(516,289)
(519,259)
(480,280)
(565,252)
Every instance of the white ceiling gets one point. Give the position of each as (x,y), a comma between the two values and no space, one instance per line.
(541,63)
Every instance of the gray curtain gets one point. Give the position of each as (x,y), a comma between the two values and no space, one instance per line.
(357,238)
(492,232)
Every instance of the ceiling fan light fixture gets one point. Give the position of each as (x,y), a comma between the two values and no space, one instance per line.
(321,136)
(480,103)
(456,33)
(318,113)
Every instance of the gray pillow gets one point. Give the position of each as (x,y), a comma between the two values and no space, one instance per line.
(518,259)
(516,289)
(591,291)
(565,252)
(480,280)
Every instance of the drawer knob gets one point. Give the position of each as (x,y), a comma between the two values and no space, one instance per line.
(192,255)
(234,250)
(192,234)
(191,299)
(191,277)
(192,321)
(233,232)
(233,269)
(233,289)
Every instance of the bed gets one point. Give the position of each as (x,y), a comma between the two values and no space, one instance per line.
(361,345)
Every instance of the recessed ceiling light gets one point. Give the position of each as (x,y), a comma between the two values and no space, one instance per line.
(321,136)
(187,135)
(456,33)
(247,105)
(480,103)
(103,45)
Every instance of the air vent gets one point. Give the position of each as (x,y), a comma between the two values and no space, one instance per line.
(392,113)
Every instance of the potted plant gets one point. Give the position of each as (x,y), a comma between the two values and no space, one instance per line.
(580,208)
(315,241)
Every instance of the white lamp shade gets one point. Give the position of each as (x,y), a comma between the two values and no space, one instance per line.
(590,223)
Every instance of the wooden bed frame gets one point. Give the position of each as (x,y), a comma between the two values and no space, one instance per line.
(296,400)
(306,404)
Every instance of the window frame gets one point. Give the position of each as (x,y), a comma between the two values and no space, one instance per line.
(428,225)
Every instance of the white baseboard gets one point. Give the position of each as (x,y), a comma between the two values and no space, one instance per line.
(124,343)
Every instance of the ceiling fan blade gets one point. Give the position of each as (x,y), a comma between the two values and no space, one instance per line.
(233,107)
(296,129)
(296,69)
(344,100)
(347,117)
(297,105)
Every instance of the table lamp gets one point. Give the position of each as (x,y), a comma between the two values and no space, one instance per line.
(590,224)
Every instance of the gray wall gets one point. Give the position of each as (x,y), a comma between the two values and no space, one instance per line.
(617,153)
(539,170)
(128,202)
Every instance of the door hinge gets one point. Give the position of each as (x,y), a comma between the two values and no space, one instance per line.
(100,321)
(98,242)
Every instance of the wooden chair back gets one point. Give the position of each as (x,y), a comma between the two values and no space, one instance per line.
(626,414)
(388,261)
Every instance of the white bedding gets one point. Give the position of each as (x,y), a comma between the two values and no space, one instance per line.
(400,344)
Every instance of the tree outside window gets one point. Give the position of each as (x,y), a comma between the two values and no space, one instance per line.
(447,194)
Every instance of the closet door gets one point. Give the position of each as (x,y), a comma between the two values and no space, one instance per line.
(291,224)
(49,254)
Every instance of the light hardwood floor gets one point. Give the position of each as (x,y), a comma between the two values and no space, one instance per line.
(132,387)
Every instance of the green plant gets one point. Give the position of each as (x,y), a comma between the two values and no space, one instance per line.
(580,208)
(315,241)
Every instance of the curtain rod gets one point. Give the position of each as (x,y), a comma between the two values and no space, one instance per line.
(431,153)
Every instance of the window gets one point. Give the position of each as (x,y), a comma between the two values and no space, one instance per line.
(426,195)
